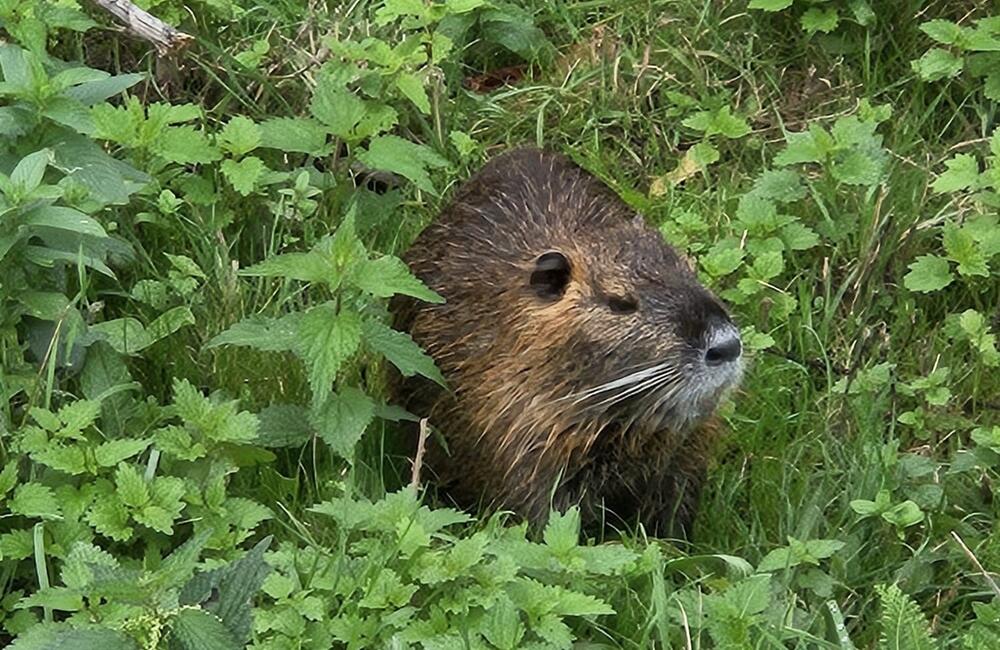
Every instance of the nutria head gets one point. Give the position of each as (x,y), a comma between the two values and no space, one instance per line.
(580,347)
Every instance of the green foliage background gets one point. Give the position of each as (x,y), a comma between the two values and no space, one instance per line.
(196,446)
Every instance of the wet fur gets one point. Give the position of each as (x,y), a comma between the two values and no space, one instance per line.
(527,424)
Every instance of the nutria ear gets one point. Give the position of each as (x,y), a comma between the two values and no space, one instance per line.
(551,275)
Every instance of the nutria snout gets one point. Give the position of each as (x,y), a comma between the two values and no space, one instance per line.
(585,360)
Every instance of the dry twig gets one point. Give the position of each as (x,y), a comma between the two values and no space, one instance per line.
(144,25)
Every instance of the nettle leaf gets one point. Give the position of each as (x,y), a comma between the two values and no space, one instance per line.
(722,259)
(268,334)
(50,636)
(721,122)
(942,31)
(408,159)
(35,500)
(820,20)
(927,274)
(195,629)
(306,267)
(339,109)
(770,5)
(937,64)
(991,87)
(112,452)
(562,533)
(8,478)
(64,459)
(799,237)
(962,248)
(342,420)
(131,487)
(185,145)
(413,89)
(326,340)
(294,134)
(110,518)
(284,425)
(503,627)
(784,185)
(240,136)
(400,350)
(857,168)
(244,174)
(802,147)
(387,276)
(962,173)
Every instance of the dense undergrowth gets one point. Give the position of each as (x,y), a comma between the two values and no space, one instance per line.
(195,256)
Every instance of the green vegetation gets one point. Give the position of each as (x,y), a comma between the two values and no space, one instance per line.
(197,449)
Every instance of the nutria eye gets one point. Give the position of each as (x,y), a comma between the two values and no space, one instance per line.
(551,275)
(622,304)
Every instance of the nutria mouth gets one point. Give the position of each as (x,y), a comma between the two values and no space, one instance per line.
(585,359)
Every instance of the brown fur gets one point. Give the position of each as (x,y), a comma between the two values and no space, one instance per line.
(522,432)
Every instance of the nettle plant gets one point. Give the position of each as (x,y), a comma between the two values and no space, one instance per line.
(331,335)
(975,50)
(822,16)
(842,165)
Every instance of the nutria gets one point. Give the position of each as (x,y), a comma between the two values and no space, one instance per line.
(583,358)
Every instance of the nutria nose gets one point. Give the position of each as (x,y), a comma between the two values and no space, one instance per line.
(723,345)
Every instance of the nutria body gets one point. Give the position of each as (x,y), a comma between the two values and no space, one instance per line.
(584,358)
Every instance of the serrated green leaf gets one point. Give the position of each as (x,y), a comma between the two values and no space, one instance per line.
(155,517)
(61,636)
(35,500)
(802,147)
(294,134)
(962,248)
(770,5)
(820,20)
(238,583)
(562,532)
(284,425)
(962,173)
(721,122)
(185,145)
(8,478)
(109,454)
(110,518)
(782,185)
(798,237)
(306,267)
(131,487)
(58,598)
(942,31)
(326,340)
(195,629)
(388,276)
(268,334)
(400,350)
(937,64)
(503,627)
(722,259)
(413,89)
(240,136)
(342,420)
(928,273)
(857,168)
(244,174)
(339,109)
(408,159)
(65,459)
